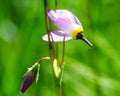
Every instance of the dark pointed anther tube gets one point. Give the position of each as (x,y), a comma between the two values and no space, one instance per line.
(82,37)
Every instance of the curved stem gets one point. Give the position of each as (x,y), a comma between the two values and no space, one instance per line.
(43,59)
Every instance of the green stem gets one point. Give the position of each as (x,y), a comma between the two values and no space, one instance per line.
(58,80)
(63,52)
(57,52)
(58,87)
(48,31)
(56,4)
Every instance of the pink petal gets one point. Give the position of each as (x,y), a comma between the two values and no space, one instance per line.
(54,15)
(65,25)
(64,20)
(68,14)
(56,36)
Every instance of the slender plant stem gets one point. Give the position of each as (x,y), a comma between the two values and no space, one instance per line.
(63,52)
(56,4)
(57,52)
(57,44)
(58,81)
(48,31)
(49,42)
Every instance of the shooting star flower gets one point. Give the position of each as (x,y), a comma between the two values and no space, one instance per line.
(69,25)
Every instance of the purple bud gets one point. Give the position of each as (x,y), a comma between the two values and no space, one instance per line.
(30,76)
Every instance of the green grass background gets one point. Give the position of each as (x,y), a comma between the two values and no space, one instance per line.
(88,71)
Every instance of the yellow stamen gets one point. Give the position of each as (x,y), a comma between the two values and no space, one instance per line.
(76,31)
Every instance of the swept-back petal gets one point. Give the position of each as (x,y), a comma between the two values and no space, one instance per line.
(56,36)
(68,14)
(54,15)
(64,20)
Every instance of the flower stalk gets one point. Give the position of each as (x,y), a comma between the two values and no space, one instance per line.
(48,31)
(55,58)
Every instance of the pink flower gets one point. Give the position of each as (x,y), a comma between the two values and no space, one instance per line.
(69,25)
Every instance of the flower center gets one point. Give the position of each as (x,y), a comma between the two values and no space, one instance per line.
(76,31)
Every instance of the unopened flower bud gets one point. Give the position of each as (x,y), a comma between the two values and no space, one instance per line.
(30,76)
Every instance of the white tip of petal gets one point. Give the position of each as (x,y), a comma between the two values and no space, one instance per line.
(56,36)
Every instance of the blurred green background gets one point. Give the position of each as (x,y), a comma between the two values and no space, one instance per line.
(88,71)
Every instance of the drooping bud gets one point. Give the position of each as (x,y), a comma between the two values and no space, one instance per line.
(30,76)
